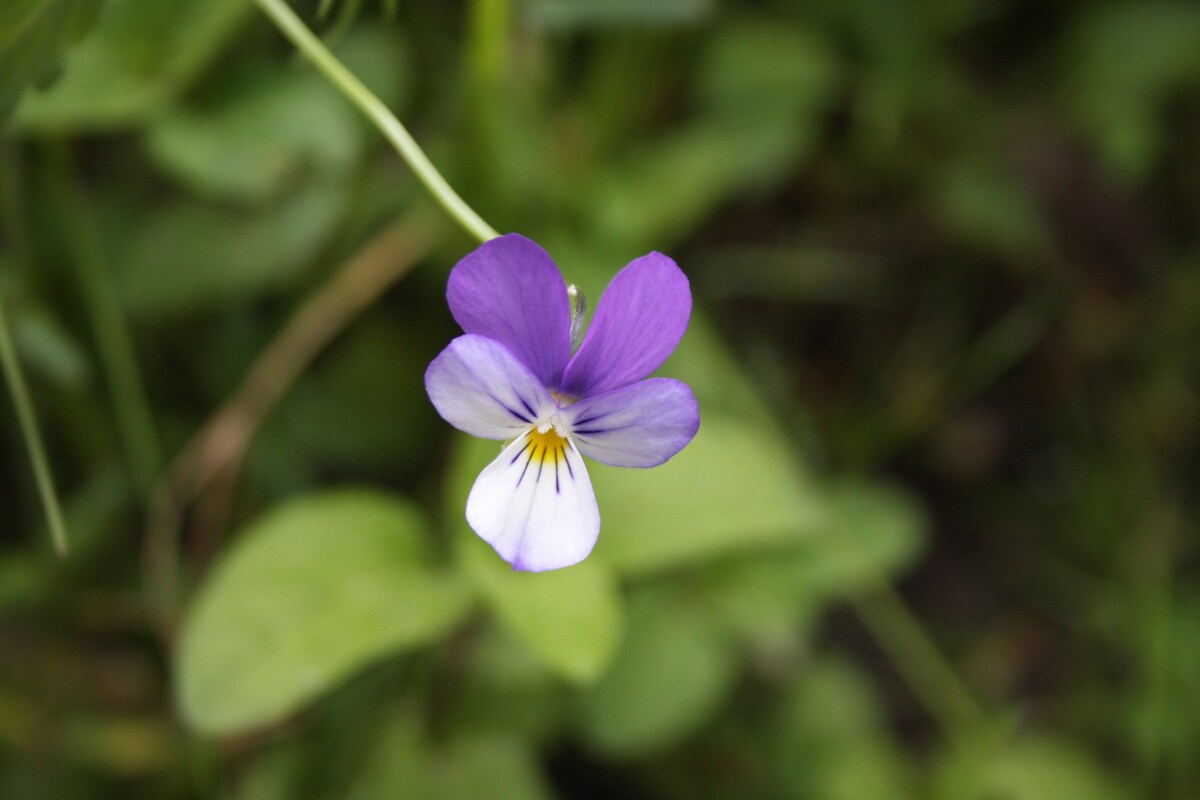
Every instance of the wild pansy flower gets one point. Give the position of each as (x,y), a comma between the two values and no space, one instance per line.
(513,376)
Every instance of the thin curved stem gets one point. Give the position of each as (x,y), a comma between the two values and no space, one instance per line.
(32,436)
(393,130)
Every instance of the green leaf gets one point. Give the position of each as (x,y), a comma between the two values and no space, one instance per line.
(121,74)
(986,205)
(271,774)
(33,36)
(764,90)
(1127,62)
(187,255)
(567,15)
(669,678)
(571,618)
(48,349)
(1035,768)
(393,426)
(273,127)
(877,528)
(310,592)
(258,142)
(828,739)
(760,74)
(736,487)
(871,530)
(507,690)
(465,767)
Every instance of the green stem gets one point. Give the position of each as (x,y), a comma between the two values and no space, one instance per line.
(32,436)
(135,422)
(916,656)
(919,661)
(393,130)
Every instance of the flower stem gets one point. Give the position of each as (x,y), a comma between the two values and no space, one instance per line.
(392,129)
(33,438)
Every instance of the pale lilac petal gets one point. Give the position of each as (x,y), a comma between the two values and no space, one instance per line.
(639,320)
(480,387)
(641,425)
(534,504)
(509,290)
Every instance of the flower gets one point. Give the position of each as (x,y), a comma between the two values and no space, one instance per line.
(513,376)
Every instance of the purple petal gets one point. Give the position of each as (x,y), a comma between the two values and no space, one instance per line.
(641,425)
(508,289)
(478,386)
(641,317)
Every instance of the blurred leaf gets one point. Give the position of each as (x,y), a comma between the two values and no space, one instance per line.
(707,364)
(566,15)
(871,530)
(1166,711)
(571,618)
(876,527)
(271,774)
(1034,768)
(763,90)
(736,487)
(308,594)
(350,9)
(465,767)
(662,190)
(988,206)
(670,676)
(804,272)
(121,76)
(133,747)
(763,78)
(256,143)
(830,740)
(1126,61)
(507,690)
(187,255)
(50,350)
(275,126)
(393,423)
(33,36)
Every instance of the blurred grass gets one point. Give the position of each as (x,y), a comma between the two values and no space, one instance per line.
(944,257)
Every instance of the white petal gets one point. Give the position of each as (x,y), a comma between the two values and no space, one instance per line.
(534,504)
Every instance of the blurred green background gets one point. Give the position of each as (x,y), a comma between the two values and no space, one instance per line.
(935,539)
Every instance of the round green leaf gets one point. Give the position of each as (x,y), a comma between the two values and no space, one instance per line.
(571,618)
(310,592)
(669,678)
(736,487)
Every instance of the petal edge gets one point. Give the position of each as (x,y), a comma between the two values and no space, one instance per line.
(510,290)
(480,387)
(641,425)
(639,320)
(536,510)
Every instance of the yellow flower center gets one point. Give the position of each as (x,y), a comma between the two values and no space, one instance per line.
(547,445)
